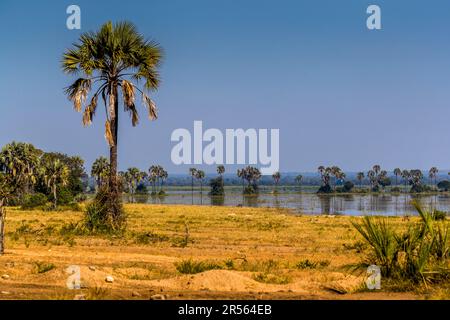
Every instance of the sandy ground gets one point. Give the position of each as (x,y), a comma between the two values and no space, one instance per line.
(259,251)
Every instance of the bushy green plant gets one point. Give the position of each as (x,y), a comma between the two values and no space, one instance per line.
(64,197)
(419,254)
(98,217)
(33,201)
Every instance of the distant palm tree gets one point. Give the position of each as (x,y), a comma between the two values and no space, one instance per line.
(241,174)
(200,175)
(193,173)
(100,170)
(298,180)
(110,59)
(276,176)
(56,174)
(433,174)
(406,175)
(132,177)
(397,172)
(221,171)
(376,169)
(360,177)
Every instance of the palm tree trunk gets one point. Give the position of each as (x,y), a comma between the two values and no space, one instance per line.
(2,228)
(55,201)
(192,188)
(113,183)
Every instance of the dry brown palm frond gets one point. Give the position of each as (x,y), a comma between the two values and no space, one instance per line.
(78,92)
(89,112)
(134,115)
(151,107)
(128,94)
(108,134)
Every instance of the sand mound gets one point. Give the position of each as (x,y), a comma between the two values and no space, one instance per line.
(218,280)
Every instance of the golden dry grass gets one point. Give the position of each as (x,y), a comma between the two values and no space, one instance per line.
(256,253)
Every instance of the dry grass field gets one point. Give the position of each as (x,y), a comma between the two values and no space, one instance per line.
(192,252)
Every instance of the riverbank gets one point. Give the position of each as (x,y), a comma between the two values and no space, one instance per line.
(237,252)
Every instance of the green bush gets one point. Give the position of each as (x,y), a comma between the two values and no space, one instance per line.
(33,201)
(63,197)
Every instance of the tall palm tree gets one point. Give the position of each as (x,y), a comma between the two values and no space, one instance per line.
(360,177)
(56,174)
(100,170)
(397,172)
(110,59)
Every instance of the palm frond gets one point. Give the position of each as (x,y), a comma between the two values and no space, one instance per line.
(151,107)
(78,92)
(108,134)
(89,112)
(128,94)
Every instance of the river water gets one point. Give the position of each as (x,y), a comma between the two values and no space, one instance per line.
(309,202)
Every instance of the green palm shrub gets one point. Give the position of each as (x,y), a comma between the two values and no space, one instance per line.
(418,254)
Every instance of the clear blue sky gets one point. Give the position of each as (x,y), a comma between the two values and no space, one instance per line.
(339,93)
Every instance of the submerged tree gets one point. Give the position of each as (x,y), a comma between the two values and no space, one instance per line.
(252,176)
(109,60)
(276,176)
(132,177)
(360,178)
(397,173)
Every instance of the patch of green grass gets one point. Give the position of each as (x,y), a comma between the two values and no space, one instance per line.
(359,246)
(192,267)
(43,267)
(309,264)
(149,237)
(271,278)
